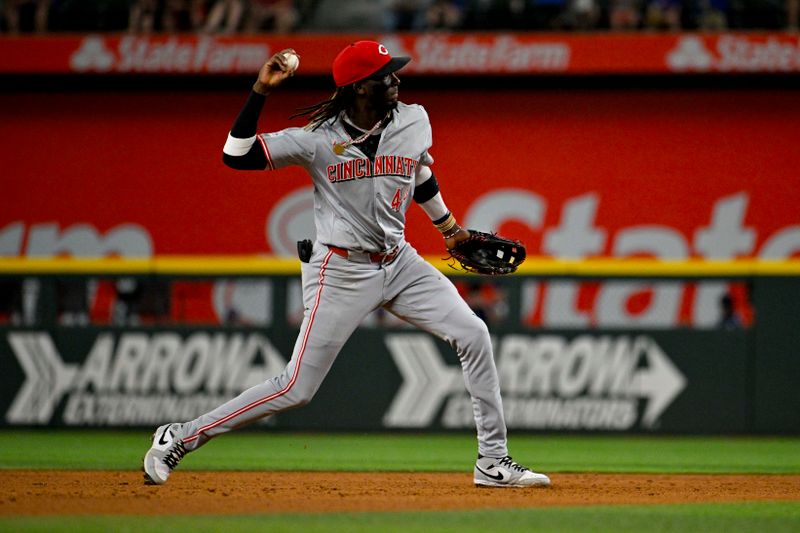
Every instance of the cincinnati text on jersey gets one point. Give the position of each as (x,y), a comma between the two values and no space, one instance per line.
(384,165)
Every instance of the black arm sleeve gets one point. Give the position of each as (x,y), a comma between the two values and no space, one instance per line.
(246,123)
(244,127)
(427,190)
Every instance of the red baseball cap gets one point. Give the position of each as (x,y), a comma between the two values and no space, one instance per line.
(363,59)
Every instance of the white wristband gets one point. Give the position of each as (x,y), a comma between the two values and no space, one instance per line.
(236,147)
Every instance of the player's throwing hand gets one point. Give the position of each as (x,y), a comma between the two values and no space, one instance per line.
(275,71)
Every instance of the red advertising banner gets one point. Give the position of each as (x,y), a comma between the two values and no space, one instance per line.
(433,54)
(574,174)
(597,173)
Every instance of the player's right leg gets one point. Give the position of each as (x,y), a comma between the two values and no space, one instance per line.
(337,295)
(428,300)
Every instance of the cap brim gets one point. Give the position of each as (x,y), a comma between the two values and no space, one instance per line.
(394,64)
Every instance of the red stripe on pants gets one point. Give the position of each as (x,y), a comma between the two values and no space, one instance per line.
(296,368)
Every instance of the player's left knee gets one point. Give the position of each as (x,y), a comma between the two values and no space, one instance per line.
(299,397)
(476,337)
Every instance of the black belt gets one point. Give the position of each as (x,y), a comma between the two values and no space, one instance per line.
(383,258)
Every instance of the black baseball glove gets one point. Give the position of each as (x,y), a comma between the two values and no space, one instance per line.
(488,254)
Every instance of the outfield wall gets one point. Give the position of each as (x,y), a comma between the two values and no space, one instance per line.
(627,377)
(111,161)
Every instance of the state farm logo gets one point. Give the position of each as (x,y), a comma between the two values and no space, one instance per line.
(173,55)
(501,53)
(690,54)
(92,55)
(735,53)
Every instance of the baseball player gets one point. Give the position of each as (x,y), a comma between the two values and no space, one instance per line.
(367,155)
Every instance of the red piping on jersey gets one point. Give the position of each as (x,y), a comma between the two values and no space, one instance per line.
(266,152)
(296,366)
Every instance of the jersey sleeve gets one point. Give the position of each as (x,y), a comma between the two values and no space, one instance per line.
(292,146)
(426,158)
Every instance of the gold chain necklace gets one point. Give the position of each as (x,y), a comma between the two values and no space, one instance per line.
(339,148)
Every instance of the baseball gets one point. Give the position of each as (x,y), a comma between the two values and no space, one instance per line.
(292,61)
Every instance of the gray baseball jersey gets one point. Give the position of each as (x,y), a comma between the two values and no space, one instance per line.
(359,205)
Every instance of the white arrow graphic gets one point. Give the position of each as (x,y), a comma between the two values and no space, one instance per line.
(661,381)
(427,381)
(47,378)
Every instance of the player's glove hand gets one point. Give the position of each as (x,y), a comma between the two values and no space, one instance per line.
(485,253)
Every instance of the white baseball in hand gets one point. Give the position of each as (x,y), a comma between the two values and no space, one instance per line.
(292,61)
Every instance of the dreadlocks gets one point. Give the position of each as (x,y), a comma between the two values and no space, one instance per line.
(322,111)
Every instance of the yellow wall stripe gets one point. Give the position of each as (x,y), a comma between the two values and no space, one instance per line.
(265,265)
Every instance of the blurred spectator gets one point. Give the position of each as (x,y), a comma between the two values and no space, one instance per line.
(141,301)
(126,307)
(792,14)
(11,301)
(421,15)
(19,301)
(488,14)
(551,14)
(486,299)
(276,16)
(579,15)
(183,15)
(713,15)
(624,14)
(406,15)
(26,15)
(354,16)
(764,14)
(142,18)
(478,303)
(663,15)
(72,301)
(729,318)
(351,16)
(86,16)
(225,16)
(444,15)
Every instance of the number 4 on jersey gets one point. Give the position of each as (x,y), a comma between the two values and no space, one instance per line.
(399,197)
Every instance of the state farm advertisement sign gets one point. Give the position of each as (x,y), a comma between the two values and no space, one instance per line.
(672,174)
(141,54)
(432,54)
(735,53)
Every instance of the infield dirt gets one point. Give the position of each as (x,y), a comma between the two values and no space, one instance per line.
(42,492)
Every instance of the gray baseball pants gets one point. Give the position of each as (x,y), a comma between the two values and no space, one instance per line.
(338,294)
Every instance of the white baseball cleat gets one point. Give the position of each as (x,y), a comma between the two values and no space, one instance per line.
(504,472)
(164,455)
